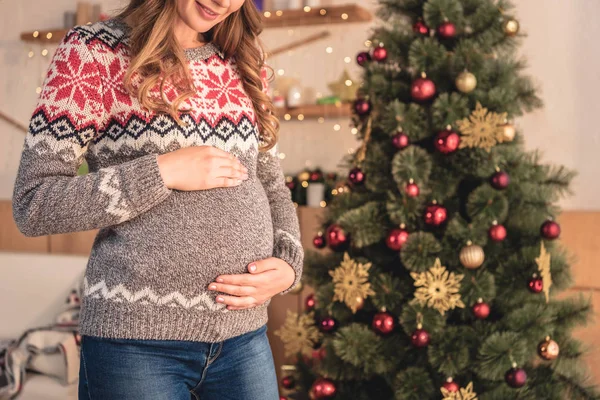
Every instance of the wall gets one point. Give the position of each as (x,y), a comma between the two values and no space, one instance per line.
(560,50)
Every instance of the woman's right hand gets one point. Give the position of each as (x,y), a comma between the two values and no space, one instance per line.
(200,168)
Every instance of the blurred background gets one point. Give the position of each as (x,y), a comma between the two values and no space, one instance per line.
(315,44)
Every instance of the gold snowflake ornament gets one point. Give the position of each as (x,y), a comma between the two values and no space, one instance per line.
(543,262)
(438,288)
(464,393)
(482,129)
(298,334)
(351,282)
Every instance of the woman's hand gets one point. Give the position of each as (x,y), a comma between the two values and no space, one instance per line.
(200,168)
(265,279)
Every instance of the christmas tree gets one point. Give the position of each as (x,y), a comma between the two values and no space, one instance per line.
(442,271)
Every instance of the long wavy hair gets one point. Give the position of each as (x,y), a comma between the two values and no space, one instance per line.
(159,60)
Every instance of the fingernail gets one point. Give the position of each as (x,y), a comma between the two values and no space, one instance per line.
(220,299)
(220,280)
(212,287)
(252,267)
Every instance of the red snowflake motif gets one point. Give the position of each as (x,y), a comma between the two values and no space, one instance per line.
(224,89)
(73,78)
(114,89)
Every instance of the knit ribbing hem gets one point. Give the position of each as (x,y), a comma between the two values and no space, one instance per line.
(148,189)
(294,256)
(148,322)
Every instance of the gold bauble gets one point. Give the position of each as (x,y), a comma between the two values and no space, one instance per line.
(359,303)
(472,256)
(304,176)
(548,349)
(466,82)
(509,132)
(511,27)
(297,289)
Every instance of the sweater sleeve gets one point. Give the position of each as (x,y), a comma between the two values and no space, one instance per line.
(286,229)
(49,197)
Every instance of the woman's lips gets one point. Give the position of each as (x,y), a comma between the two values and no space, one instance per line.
(206,12)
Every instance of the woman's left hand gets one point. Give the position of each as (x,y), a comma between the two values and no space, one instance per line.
(265,279)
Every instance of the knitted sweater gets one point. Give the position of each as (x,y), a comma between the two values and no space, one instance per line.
(157,249)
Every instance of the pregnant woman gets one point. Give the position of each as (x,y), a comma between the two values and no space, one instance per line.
(167,103)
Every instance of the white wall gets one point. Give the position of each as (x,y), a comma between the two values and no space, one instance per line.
(561,49)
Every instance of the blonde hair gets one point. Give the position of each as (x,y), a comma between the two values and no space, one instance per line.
(159,60)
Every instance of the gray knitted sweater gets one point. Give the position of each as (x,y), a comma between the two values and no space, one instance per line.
(157,249)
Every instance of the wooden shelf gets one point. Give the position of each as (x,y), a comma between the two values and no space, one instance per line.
(288,18)
(315,111)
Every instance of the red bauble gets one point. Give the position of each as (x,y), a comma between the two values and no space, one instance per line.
(447,141)
(451,386)
(422,89)
(420,338)
(288,382)
(362,58)
(535,284)
(412,190)
(383,322)
(481,310)
(550,230)
(497,233)
(283,398)
(323,388)
(380,54)
(420,28)
(435,215)
(446,30)
(319,242)
(291,185)
(319,354)
(327,324)
(500,180)
(396,239)
(400,140)
(310,302)
(315,176)
(356,176)
(337,238)
(362,107)
(516,377)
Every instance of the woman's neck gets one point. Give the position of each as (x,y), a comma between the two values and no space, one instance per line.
(186,36)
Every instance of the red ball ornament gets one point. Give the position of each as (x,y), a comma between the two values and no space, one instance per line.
(516,377)
(412,190)
(447,30)
(447,141)
(362,107)
(283,398)
(400,140)
(323,388)
(362,58)
(396,239)
(420,28)
(310,302)
(500,180)
(288,382)
(319,354)
(481,310)
(380,54)
(435,215)
(422,89)
(291,185)
(383,323)
(337,238)
(316,176)
(535,284)
(497,233)
(420,338)
(327,324)
(550,230)
(319,241)
(356,176)
(451,386)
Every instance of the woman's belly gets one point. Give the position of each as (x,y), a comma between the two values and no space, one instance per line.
(185,242)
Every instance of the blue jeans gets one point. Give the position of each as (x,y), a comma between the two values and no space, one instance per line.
(240,368)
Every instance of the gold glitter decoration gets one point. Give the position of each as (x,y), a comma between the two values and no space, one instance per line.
(342,90)
(482,129)
(298,334)
(464,393)
(438,288)
(543,262)
(351,280)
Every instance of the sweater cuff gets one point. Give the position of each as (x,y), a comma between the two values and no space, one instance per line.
(147,188)
(293,254)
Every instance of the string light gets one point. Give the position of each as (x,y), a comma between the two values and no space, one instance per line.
(354,131)
(45,52)
(31,54)
(347,60)
(304,184)
(282,156)
(348,82)
(337,127)
(306,9)
(323,203)
(368,43)
(36,34)
(334,192)
(300,117)
(267,14)
(322,11)
(350,150)
(280,72)
(344,16)
(49,35)
(287,117)
(321,120)
(329,50)
(279,13)
(38,90)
